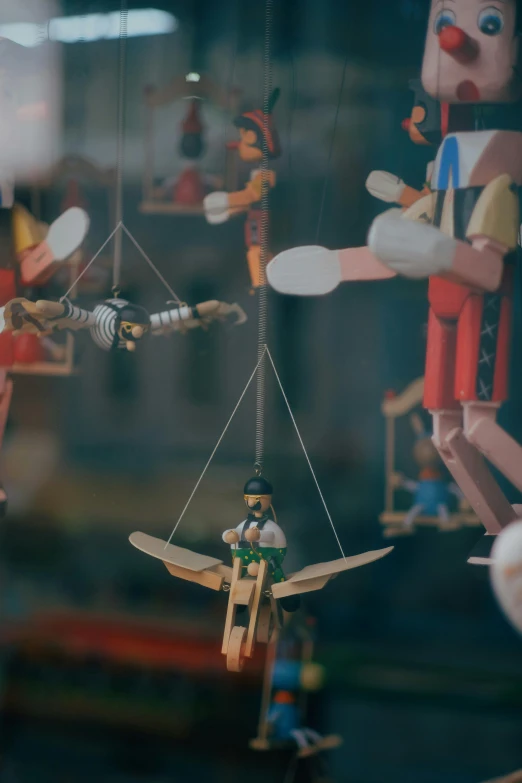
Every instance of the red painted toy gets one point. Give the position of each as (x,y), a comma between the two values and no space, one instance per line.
(462,235)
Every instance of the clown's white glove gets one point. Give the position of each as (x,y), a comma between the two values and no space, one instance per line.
(385,186)
(410,248)
(217,208)
(305,271)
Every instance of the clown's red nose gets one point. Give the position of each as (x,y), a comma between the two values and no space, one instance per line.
(457,43)
(406,124)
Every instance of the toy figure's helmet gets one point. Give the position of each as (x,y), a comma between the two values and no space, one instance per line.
(263,125)
(130,317)
(257,487)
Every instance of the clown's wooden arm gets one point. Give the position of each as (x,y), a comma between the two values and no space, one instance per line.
(393,190)
(418,250)
(312,270)
(201,315)
(43,317)
(41,249)
(220,206)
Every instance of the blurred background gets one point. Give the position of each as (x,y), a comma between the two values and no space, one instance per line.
(109,668)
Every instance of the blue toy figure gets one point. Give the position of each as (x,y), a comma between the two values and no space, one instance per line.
(431,492)
(284,715)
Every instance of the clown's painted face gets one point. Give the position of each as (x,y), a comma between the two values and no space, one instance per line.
(471,51)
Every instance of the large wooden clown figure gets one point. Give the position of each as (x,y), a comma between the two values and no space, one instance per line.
(462,236)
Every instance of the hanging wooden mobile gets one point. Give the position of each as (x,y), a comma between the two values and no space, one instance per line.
(432,494)
(258,589)
(114,324)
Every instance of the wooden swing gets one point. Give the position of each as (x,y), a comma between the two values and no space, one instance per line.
(395,407)
(154,201)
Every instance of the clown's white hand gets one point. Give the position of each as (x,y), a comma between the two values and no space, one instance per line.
(305,271)
(410,248)
(385,186)
(217,208)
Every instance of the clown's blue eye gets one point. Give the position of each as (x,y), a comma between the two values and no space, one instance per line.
(444,19)
(491,21)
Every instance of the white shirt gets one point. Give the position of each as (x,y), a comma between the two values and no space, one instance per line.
(271,535)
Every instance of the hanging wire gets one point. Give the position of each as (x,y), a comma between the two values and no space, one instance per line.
(265,207)
(230,83)
(293,103)
(116,271)
(227,425)
(287,402)
(330,152)
(152,265)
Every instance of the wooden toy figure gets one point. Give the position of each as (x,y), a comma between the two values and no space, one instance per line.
(114,324)
(256,131)
(463,237)
(259,537)
(190,187)
(285,718)
(426,126)
(431,492)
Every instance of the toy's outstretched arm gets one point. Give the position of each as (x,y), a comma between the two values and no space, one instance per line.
(185,317)
(418,250)
(313,270)
(40,253)
(43,317)
(393,190)
(220,206)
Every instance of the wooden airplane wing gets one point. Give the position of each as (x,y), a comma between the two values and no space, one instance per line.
(183,563)
(315,577)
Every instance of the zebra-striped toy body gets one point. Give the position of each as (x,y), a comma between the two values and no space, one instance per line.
(107,321)
(112,323)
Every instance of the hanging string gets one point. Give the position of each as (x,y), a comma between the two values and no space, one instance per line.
(227,425)
(230,85)
(330,152)
(116,271)
(265,207)
(151,264)
(91,262)
(305,452)
(293,103)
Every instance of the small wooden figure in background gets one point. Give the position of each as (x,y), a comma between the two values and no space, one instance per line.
(426,126)
(259,537)
(257,131)
(431,491)
(189,188)
(285,719)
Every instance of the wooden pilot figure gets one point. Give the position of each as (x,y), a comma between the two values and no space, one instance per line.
(463,237)
(259,537)
(257,131)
